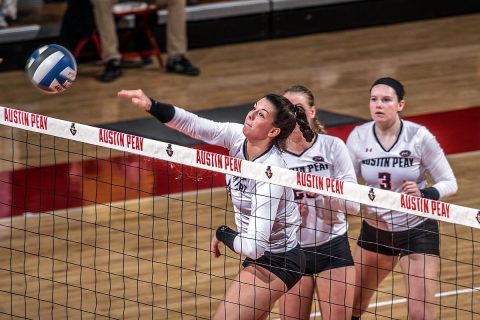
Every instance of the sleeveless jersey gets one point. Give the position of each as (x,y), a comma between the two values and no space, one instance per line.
(328,157)
(266,215)
(415,152)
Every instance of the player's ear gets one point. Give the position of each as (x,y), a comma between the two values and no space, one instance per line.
(274,132)
(310,112)
(401,105)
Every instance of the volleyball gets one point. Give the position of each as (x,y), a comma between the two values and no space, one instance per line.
(51,68)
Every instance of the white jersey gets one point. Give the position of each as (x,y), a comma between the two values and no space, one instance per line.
(415,152)
(266,215)
(328,157)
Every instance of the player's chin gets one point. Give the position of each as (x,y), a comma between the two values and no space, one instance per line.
(246,129)
(379,117)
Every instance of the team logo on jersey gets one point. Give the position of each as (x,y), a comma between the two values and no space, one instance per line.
(269,172)
(478,216)
(405,153)
(368,149)
(73,130)
(371,194)
(169,150)
(318,159)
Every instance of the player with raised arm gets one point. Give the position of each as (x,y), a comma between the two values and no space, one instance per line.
(266,215)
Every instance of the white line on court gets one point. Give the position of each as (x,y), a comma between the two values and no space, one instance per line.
(403,300)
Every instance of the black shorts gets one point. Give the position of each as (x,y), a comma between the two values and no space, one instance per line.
(423,238)
(331,255)
(288,266)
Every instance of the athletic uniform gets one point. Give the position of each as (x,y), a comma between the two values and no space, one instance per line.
(415,152)
(266,215)
(323,232)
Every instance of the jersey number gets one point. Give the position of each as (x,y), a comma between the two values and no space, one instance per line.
(385,180)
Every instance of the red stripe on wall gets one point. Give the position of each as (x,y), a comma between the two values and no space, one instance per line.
(457,130)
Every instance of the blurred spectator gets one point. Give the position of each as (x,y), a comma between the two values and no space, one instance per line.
(77,23)
(176,39)
(8,10)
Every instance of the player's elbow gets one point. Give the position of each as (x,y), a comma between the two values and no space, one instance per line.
(454,186)
(447,188)
(255,251)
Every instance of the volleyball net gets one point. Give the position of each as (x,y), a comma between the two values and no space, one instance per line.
(102,224)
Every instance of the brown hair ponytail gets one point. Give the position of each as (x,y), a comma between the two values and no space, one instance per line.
(286,118)
(315,124)
(302,121)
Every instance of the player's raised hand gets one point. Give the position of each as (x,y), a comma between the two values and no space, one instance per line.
(138,98)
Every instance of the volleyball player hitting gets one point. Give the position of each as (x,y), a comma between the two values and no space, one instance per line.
(266,215)
(394,154)
(323,233)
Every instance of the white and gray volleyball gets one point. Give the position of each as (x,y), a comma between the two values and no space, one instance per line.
(52,68)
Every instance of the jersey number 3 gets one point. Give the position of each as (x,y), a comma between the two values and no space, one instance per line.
(385,180)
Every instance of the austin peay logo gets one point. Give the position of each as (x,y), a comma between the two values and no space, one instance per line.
(478,216)
(371,194)
(269,172)
(73,130)
(169,150)
(318,159)
(405,153)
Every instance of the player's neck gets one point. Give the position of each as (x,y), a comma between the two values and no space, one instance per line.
(254,149)
(298,146)
(387,134)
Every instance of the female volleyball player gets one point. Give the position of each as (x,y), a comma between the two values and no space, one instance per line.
(323,233)
(394,154)
(266,215)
